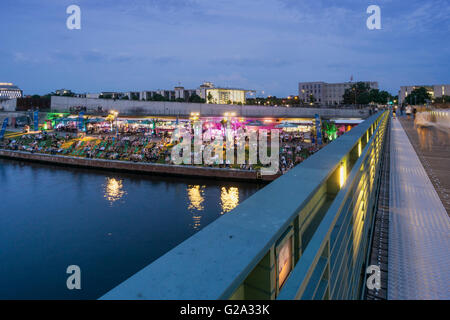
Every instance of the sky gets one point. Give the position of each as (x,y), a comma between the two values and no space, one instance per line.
(262,45)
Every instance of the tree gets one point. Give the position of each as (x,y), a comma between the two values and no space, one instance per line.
(418,96)
(443,99)
(158,97)
(359,93)
(379,97)
(312,99)
(210,98)
(195,98)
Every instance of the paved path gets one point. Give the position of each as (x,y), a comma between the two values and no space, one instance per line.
(432,145)
(419,228)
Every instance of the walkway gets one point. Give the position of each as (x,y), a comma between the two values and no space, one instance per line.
(432,145)
(419,228)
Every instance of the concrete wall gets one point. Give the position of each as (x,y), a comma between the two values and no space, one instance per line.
(139,167)
(127,107)
(8,105)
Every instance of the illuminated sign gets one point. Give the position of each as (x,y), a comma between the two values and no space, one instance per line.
(284,253)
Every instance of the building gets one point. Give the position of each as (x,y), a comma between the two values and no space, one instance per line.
(64,92)
(329,94)
(206,91)
(92,95)
(111,95)
(215,95)
(69,93)
(435,91)
(185,94)
(9,91)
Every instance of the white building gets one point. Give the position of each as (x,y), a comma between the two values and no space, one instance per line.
(435,91)
(9,91)
(62,92)
(206,91)
(216,95)
(329,94)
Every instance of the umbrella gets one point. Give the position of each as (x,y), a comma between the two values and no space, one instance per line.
(286,125)
(255,123)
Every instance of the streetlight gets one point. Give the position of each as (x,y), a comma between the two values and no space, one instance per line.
(115,114)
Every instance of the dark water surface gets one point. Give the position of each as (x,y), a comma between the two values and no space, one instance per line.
(109,224)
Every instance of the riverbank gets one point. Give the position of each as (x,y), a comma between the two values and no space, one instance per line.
(139,167)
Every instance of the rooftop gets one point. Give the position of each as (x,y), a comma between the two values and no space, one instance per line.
(8,85)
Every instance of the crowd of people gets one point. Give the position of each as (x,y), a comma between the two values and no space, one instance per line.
(144,146)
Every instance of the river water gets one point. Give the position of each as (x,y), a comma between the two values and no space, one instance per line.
(111,225)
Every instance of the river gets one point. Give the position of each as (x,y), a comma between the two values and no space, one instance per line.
(111,225)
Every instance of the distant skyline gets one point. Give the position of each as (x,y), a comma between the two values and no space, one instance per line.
(263,45)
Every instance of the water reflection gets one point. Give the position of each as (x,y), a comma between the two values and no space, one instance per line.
(196,198)
(229,199)
(114,190)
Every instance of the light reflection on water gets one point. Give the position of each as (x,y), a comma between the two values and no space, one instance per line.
(195,205)
(229,198)
(114,190)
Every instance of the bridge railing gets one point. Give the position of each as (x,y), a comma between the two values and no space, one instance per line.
(303,236)
(333,264)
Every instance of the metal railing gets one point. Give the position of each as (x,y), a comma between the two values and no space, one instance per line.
(332,266)
(303,236)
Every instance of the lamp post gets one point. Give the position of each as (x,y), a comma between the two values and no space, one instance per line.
(115,115)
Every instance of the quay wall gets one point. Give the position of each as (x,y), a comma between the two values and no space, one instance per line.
(138,167)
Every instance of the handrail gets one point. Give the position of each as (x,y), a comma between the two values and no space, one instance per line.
(236,256)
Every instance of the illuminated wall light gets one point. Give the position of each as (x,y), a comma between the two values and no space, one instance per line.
(342,175)
(359,148)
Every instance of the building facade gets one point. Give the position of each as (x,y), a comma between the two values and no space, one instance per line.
(216,95)
(329,94)
(206,91)
(435,91)
(9,91)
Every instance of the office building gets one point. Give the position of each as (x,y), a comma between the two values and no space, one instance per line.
(9,91)
(329,94)
(435,91)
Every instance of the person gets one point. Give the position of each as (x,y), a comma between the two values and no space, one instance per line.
(414,112)
(394,111)
(408,111)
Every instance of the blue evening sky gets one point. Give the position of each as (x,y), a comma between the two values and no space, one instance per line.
(266,45)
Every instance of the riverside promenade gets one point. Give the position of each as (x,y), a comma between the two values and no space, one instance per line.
(419,226)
